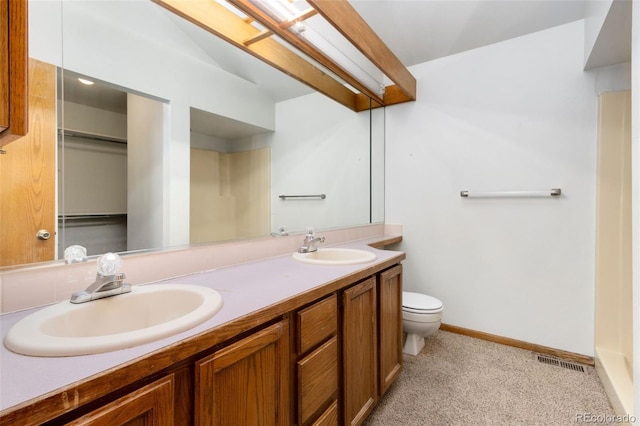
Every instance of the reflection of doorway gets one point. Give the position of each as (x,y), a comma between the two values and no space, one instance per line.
(27,176)
(92,158)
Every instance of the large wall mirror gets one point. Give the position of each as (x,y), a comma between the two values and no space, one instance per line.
(168,136)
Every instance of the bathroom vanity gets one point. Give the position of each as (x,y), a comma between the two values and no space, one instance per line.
(295,343)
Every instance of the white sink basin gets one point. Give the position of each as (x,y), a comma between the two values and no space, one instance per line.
(145,314)
(336,256)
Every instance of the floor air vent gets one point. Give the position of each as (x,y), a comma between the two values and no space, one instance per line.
(559,363)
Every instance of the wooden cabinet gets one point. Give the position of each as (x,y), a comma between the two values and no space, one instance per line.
(14,70)
(322,361)
(151,405)
(317,366)
(246,383)
(360,358)
(318,381)
(389,326)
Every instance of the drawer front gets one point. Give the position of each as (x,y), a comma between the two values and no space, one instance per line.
(317,380)
(317,323)
(329,417)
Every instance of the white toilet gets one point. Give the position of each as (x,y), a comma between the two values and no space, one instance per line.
(421,317)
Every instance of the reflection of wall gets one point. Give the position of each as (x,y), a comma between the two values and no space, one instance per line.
(229,194)
(325,151)
(614,308)
(147,199)
(377,165)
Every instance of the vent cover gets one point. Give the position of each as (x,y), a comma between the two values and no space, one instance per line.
(559,363)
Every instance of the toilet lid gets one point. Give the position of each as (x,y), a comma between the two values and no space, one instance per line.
(418,302)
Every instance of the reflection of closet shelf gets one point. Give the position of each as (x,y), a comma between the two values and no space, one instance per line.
(92,219)
(88,135)
(84,216)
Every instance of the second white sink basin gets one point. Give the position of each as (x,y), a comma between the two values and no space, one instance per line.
(336,256)
(146,314)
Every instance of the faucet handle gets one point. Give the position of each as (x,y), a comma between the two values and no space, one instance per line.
(310,231)
(108,264)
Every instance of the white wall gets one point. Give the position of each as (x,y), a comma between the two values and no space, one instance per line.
(517,115)
(377,164)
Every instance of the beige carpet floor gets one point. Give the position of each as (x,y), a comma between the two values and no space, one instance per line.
(460,380)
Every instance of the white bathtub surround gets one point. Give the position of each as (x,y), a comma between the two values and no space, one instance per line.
(613,283)
(24,288)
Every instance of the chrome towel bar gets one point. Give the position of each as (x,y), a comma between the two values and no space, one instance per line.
(556,192)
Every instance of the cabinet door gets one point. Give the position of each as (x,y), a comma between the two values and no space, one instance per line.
(13,70)
(4,65)
(151,405)
(360,361)
(389,326)
(246,383)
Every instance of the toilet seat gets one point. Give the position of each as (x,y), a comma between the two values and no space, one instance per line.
(420,303)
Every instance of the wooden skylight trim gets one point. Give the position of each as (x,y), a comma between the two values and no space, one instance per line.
(218,20)
(259,15)
(256,38)
(299,18)
(239,31)
(345,19)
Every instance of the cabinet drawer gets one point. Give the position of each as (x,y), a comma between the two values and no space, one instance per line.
(317,380)
(329,417)
(316,323)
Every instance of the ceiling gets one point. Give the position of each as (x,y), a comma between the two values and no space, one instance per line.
(98,95)
(422,30)
(415,30)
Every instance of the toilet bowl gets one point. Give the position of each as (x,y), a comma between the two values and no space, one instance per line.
(421,317)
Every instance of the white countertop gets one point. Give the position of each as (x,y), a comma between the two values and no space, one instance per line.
(245,289)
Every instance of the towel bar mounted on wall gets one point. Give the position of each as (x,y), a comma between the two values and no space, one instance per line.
(556,192)
(285,197)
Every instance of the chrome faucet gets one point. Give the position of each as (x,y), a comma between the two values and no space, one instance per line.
(103,286)
(310,242)
(108,282)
